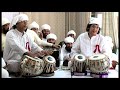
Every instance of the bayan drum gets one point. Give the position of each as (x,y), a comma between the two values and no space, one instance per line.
(78,65)
(31,66)
(99,65)
(49,66)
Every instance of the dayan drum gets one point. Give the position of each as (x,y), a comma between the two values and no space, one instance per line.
(78,65)
(49,66)
(99,65)
(31,66)
(55,54)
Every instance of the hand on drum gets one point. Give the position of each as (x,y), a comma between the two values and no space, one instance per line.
(114,63)
(44,53)
(31,54)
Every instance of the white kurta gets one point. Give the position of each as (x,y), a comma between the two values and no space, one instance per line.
(44,39)
(64,54)
(36,38)
(86,46)
(5,73)
(17,44)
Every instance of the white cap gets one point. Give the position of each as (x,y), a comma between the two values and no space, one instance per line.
(5,21)
(33,25)
(69,40)
(71,32)
(94,20)
(45,26)
(19,18)
(51,36)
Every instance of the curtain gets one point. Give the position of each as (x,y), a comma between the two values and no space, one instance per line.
(110,27)
(77,21)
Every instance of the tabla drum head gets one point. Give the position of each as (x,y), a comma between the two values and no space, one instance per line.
(97,57)
(79,57)
(50,59)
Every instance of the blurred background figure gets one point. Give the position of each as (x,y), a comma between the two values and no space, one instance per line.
(72,34)
(45,31)
(114,57)
(5,29)
(65,51)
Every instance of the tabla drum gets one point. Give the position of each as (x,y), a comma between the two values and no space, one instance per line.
(31,66)
(99,65)
(78,65)
(49,66)
(55,54)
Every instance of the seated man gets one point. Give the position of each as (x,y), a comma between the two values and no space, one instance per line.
(71,33)
(65,51)
(46,29)
(18,44)
(33,33)
(114,57)
(5,29)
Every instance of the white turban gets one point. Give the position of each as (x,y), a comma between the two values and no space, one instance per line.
(69,40)
(51,36)
(5,21)
(94,20)
(33,25)
(19,18)
(45,26)
(71,32)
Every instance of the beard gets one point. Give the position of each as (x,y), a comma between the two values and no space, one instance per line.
(68,49)
(44,36)
(5,31)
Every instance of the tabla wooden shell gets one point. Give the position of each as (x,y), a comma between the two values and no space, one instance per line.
(78,63)
(31,66)
(99,63)
(49,64)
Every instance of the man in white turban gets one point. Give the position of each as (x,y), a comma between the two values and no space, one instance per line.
(18,43)
(34,27)
(65,51)
(91,42)
(45,31)
(71,33)
(5,29)
(51,38)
